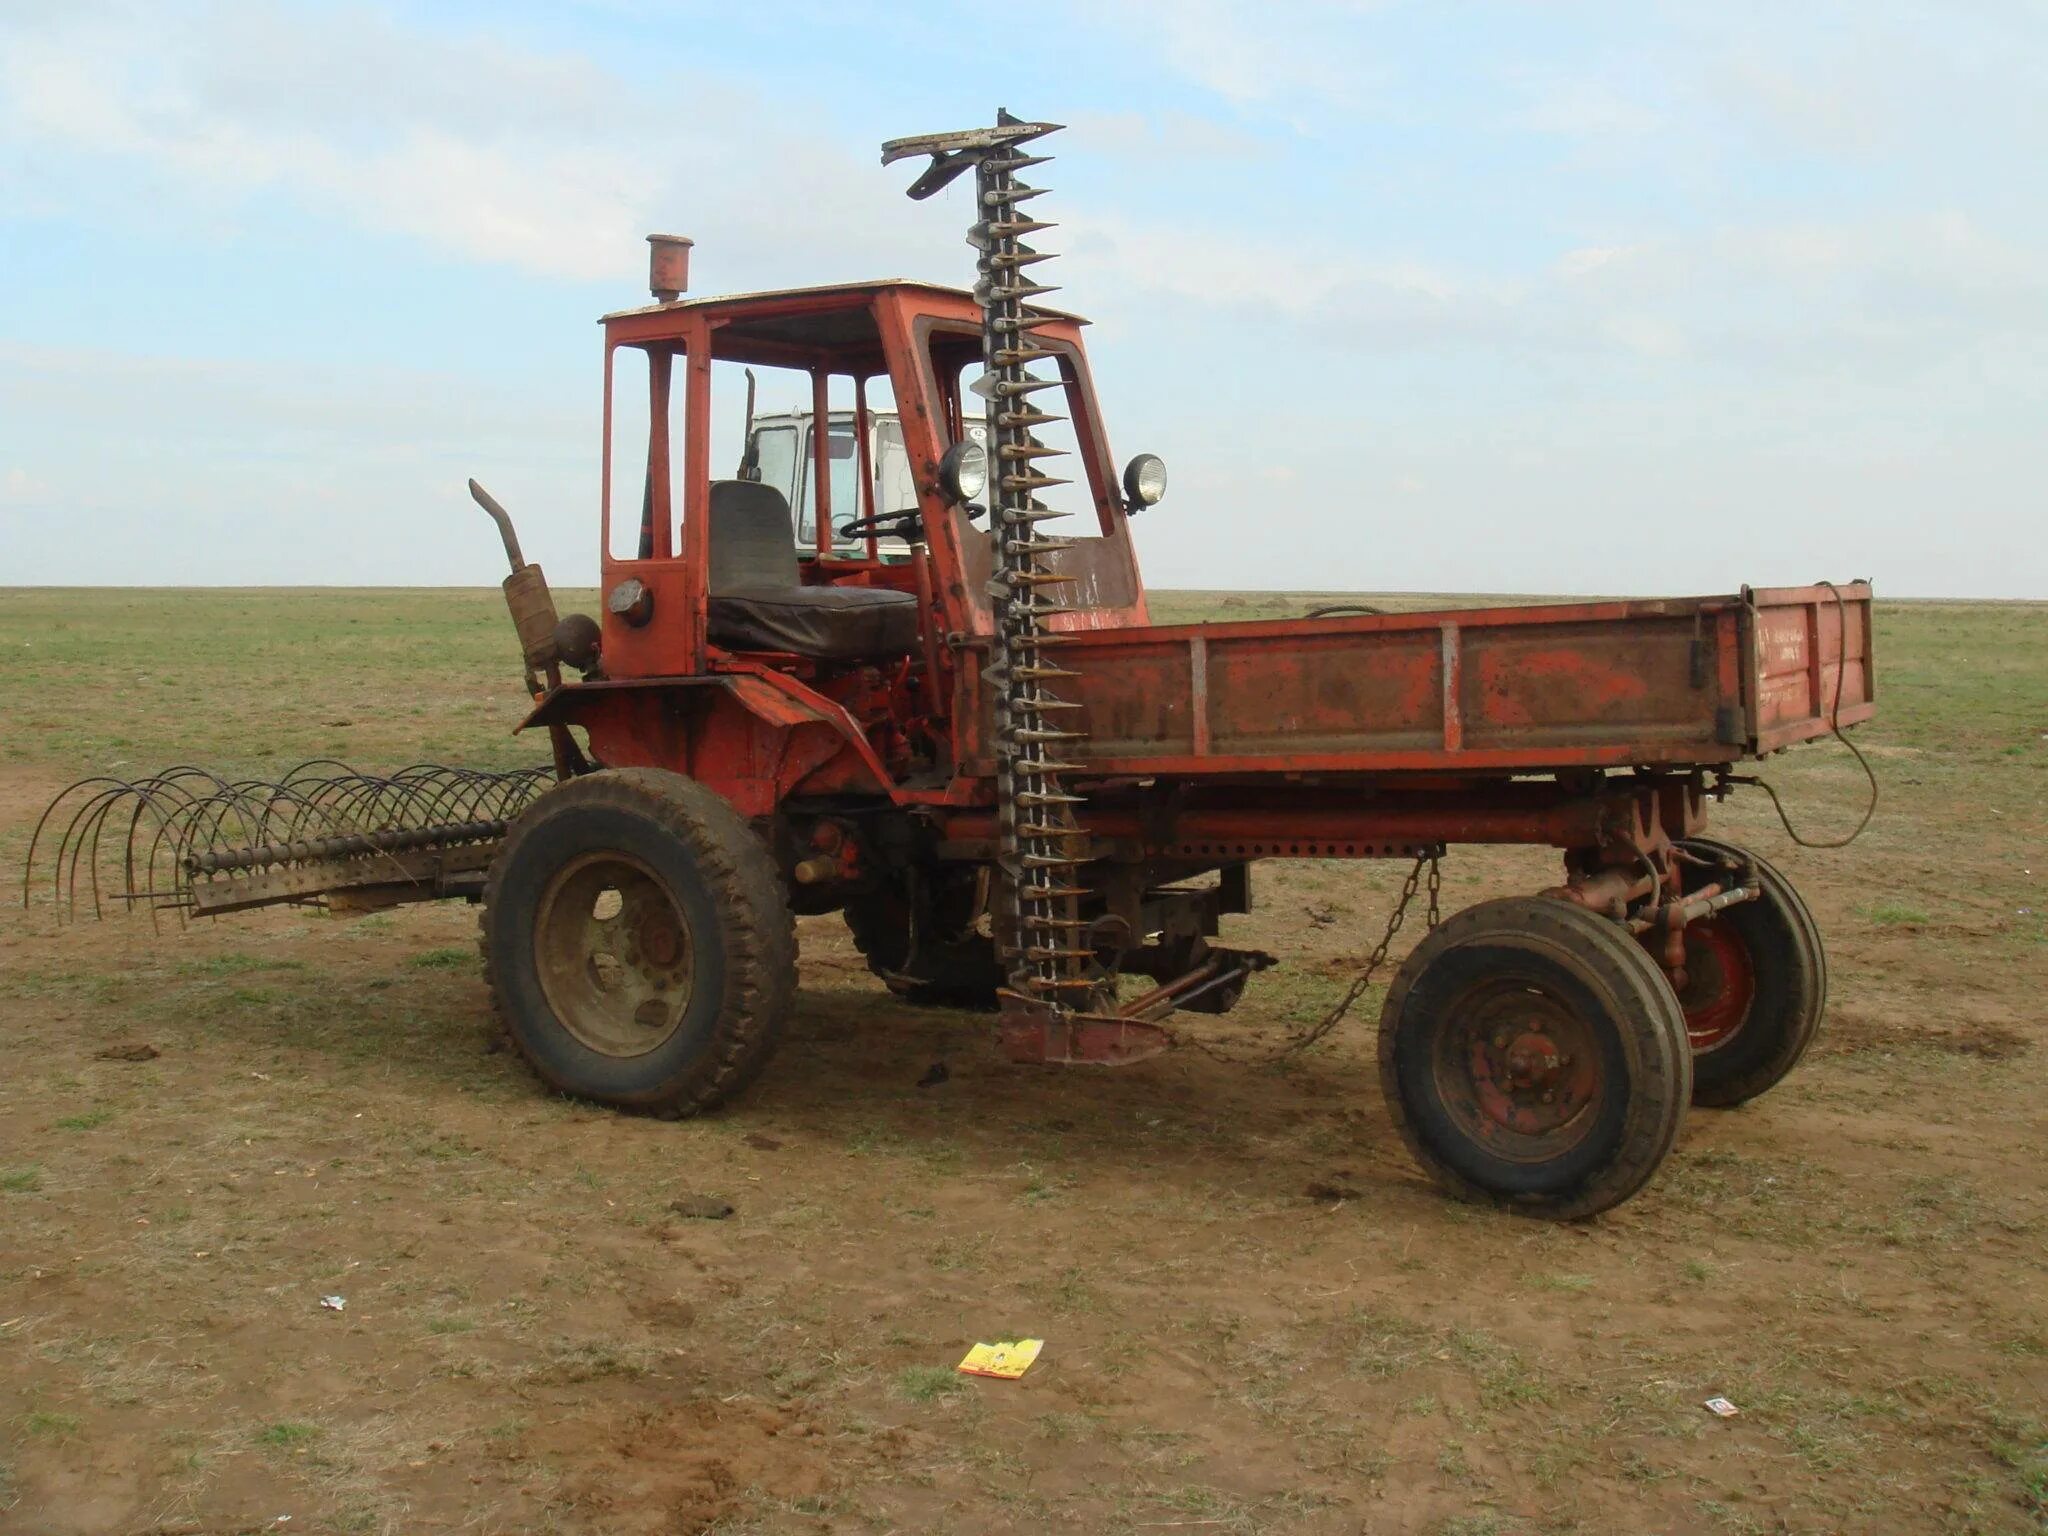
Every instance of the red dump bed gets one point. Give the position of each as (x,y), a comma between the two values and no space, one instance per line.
(1678,681)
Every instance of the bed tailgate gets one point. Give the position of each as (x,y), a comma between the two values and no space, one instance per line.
(1806,662)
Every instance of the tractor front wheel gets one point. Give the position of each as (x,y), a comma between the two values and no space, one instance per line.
(637,942)
(1533,1055)
(1756,980)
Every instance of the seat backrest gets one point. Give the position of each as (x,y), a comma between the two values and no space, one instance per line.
(753,543)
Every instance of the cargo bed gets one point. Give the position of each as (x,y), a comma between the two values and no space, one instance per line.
(1680,681)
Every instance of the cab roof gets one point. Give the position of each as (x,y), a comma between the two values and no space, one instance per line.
(832,326)
(849,295)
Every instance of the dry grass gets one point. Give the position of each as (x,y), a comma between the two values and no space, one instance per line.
(532,1342)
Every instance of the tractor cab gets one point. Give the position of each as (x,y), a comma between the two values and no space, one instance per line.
(708,405)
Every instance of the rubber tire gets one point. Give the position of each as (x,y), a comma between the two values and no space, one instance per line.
(1644,1044)
(1791,985)
(724,880)
(962,973)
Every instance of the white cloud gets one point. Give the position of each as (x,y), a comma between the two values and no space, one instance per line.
(482,151)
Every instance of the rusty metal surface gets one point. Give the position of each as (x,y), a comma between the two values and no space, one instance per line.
(1691,681)
(1033,1036)
(421,874)
(1808,644)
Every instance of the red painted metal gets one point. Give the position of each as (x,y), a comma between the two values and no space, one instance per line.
(1374,735)
(1720,983)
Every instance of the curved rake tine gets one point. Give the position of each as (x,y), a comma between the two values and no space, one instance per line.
(65,892)
(28,868)
(114,790)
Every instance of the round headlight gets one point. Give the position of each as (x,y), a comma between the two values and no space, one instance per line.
(963,472)
(1145,480)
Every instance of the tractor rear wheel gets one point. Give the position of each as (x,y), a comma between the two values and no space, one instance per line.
(1533,1055)
(638,944)
(1756,981)
(954,965)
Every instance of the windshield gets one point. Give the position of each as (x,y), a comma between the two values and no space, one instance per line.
(895,490)
(845,461)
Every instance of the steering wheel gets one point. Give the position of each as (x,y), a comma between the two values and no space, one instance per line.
(907,525)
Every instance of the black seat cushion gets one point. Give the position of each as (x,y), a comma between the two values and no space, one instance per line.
(822,623)
(759,601)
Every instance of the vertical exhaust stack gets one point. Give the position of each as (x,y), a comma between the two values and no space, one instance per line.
(1053,975)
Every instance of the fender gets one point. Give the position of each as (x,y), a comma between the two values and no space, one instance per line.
(757,737)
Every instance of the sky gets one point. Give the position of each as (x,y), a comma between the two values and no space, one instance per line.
(1489,295)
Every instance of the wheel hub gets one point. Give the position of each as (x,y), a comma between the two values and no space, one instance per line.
(1533,1061)
(1720,984)
(614,954)
(1521,1073)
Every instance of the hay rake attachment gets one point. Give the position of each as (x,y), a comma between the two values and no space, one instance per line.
(194,842)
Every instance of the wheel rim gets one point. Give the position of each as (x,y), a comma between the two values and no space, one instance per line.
(614,953)
(1720,984)
(1518,1071)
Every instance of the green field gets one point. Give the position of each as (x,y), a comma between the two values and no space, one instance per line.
(1258,1316)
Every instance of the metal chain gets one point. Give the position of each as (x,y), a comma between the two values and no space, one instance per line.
(1428,861)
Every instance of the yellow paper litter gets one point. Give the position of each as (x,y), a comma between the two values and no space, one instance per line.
(1007,1361)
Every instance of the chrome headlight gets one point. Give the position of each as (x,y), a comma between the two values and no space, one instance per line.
(1144,481)
(963,472)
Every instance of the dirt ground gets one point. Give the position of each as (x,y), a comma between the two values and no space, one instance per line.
(1257,1315)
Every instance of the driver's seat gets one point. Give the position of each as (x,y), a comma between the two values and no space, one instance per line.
(758,601)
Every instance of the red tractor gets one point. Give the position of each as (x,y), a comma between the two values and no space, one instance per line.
(1022,793)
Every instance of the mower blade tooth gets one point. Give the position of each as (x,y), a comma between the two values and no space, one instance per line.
(1010,389)
(1043,797)
(1065,983)
(1017,260)
(1029,451)
(1010,196)
(1011,229)
(1026,419)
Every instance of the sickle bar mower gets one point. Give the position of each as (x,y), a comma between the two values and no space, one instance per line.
(970,739)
